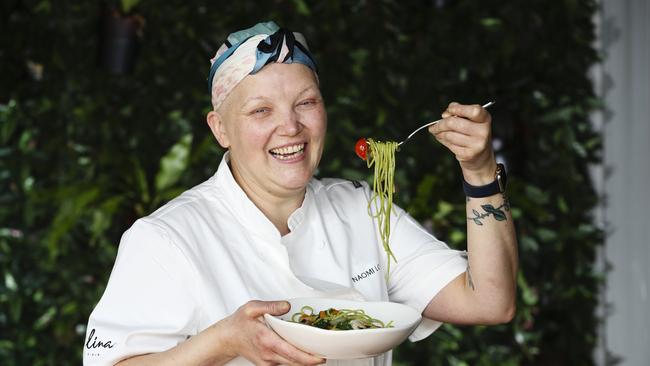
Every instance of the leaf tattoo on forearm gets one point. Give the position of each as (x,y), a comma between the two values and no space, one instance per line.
(499,213)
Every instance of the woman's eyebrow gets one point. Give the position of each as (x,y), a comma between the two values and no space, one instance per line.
(252,99)
(308,88)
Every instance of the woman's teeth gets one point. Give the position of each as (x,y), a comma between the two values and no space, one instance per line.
(288,152)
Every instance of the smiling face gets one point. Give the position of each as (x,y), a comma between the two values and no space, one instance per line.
(274,125)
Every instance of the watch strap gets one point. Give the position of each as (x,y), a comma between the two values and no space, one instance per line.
(490,189)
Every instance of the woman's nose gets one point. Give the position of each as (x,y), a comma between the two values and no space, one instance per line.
(290,124)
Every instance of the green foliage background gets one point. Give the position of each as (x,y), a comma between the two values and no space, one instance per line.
(84,153)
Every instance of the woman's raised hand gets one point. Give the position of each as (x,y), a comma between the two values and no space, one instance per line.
(249,337)
(466,130)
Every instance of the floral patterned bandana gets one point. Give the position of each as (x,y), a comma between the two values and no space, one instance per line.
(247,51)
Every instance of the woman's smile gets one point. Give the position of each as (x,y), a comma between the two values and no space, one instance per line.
(289,153)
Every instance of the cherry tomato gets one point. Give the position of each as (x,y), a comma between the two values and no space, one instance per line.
(361,148)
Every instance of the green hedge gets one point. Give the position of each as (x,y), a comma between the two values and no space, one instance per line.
(85,152)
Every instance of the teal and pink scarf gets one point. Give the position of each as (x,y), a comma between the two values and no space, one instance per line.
(247,51)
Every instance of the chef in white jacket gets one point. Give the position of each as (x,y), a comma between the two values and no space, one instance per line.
(192,280)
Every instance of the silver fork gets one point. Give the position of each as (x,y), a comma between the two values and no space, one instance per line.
(486,105)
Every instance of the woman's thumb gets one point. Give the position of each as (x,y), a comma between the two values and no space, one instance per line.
(257,308)
(278,307)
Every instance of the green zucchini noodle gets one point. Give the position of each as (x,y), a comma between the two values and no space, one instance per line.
(335,319)
(382,156)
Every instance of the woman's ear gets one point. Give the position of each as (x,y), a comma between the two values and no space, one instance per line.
(216,123)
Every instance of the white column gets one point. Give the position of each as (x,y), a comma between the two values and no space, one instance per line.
(624,82)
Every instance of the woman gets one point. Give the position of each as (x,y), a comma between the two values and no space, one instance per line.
(192,280)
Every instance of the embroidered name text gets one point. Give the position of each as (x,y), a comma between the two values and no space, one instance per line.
(368,272)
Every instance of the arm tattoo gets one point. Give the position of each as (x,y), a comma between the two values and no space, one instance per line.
(499,213)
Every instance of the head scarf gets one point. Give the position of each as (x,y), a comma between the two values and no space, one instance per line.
(247,51)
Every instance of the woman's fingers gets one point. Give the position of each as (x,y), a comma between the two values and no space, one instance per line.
(466,131)
(473,112)
(464,147)
(260,344)
(293,354)
(457,124)
(451,128)
(276,350)
(452,138)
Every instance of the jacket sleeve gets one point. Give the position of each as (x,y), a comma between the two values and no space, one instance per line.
(150,303)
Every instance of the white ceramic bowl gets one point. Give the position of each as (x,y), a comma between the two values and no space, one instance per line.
(346,344)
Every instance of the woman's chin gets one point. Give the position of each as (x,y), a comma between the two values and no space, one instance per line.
(294,181)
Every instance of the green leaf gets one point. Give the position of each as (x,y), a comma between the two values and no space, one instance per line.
(15,309)
(528,243)
(43,6)
(6,345)
(444,209)
(457,237)
(102,217)
(45,318)
(536,195)
(69,308)
(546,235)
(491,22)
(128,5)
(562,205)
(141,181)
(74,201)
(173,164)
(529,296)
(301,7)
(10,282)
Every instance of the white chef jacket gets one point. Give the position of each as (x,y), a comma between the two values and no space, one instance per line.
(204,254)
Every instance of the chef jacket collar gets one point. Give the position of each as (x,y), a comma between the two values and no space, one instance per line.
(249,214)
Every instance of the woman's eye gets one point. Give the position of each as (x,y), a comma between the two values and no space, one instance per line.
(260,110)
(308,102)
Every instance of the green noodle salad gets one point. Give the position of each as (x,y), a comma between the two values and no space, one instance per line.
(333,319)
(382,156)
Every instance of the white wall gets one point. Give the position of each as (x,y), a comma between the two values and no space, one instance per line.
(623,80)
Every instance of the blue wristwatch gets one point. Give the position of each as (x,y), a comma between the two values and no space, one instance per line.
(497,186)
